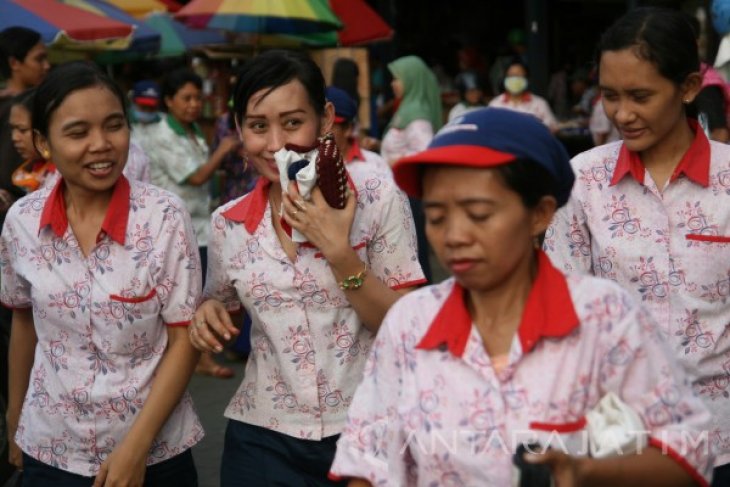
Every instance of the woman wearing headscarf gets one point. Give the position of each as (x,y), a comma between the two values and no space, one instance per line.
(412,127)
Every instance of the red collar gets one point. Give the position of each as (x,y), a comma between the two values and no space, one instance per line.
(522,97)
(548,312)
(115,221)
(250,210)
(695,163)
(354,153)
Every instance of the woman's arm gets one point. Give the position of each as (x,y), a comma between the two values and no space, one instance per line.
(206,171)
(23,340)
(647,469)
(127,462)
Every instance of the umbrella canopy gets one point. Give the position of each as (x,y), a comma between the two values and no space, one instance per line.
(178,38)
(261,16)
(141,8)
(362,25)
(144,39)
(59,23)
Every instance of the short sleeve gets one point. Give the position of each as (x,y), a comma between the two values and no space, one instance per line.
(172,154)
(14,288)
(568,238)
(392,253)
(217,283)
(418,135)
(639,367)
(546,115)
(179,279)
(371,444)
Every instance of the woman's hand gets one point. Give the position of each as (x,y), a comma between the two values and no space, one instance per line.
(325,227)
(229,143)
(124,467)
(565,469)
(210,326)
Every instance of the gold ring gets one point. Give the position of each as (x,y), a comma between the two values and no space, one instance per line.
(200,324)
(294,212)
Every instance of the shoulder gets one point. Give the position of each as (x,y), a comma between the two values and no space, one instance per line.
(604,155)
(153,197)
(414,312)
(419,125)
(30,206)
(597,300)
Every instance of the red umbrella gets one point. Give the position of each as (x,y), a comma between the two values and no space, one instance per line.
(361,23)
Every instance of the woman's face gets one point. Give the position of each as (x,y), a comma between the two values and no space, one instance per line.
(516,70)
(22,133)
(645,106)
(478,227)
(88,139)
(398,89)
(186,104)
(274,119)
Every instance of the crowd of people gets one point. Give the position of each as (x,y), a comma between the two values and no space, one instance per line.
(582,336)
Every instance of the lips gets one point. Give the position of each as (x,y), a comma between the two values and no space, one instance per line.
(100,168)
(632,133)
(460,266)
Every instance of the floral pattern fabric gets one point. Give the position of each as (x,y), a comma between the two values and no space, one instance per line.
(531,104)
(427,416)
(669,248)
(100,321)
(308,346)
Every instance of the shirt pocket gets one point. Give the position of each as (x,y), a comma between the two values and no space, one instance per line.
(570,437)
(136,316)
(706,262)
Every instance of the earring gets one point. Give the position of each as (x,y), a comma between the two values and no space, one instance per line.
(46,154)
(687,101)
(245,162)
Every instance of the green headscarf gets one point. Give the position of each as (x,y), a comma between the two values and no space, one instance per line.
(421,93)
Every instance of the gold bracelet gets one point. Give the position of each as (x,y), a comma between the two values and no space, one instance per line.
(354,282)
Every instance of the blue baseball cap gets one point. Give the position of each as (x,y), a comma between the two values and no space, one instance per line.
(146,92)
(345,106)
(490,137)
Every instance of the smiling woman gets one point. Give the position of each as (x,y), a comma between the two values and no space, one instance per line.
(90,287)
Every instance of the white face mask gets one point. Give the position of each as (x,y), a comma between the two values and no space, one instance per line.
(515,84)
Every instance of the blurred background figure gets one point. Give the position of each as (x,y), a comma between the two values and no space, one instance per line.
(602,129)
(412,127)
(517,96)
(357,158)
(180,162)
(145,103)
(35,171)
(471,92)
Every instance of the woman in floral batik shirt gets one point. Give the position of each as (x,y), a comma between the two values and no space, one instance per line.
(103,275)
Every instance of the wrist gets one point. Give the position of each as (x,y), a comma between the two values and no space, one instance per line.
(345,265)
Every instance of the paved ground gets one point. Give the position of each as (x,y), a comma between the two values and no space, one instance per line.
(211,397)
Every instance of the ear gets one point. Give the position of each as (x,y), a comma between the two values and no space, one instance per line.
(690,87)
(328,118)
(168,101)
(13,62)
(542,215)
(41,144)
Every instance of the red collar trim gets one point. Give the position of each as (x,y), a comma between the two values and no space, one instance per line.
(354,153)
(115,221)
(695,163)
(522,97)
(250,210)
(548,312)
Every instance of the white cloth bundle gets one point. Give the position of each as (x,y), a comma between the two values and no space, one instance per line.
(614,428)
(306,178)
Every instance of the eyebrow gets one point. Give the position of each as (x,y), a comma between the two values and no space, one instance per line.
(77,123)
(282,114)
(462,202)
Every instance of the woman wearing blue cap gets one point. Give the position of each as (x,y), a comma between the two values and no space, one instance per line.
(538,355)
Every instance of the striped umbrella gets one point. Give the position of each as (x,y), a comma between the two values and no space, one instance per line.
(62,24)
(145,39)
(261,16)
(177,38)
(362,25)
(142,8)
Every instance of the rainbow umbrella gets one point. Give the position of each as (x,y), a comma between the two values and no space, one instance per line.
(261,16)
(66,25)
(145,39)
(142,8)
(178,38)
(362,25)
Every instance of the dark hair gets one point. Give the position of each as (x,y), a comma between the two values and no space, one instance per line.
(276,68)
(60,83)
(661,36)
(175,80)
(24,99)
(528,179)
(16,42)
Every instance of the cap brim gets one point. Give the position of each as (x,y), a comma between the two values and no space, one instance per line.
(341,119)
(148,102)
(407,171)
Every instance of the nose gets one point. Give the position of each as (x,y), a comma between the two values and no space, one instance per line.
(456,233)
(99,141)
(624,113)
(275,140)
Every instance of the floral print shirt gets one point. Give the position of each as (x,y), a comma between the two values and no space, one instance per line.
(359,159)
(174,157)
(528,103)
(433,409)
(100,320)
(398,143)
(308,346)
(670,248)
